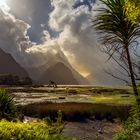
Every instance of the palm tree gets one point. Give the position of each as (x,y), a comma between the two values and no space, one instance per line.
(118,33)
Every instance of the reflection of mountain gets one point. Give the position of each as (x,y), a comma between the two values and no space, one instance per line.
(57,69)
(9,66)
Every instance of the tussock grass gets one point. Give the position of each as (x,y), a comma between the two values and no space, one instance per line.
(7,106)
(77,111)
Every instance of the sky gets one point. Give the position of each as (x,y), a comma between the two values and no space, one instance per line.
(34,30)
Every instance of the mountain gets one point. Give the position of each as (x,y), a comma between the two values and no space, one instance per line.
(9,66)
(58,69)
(60,74)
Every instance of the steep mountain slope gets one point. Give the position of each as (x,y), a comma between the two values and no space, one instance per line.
(60,74)
(54,67)
(9,66)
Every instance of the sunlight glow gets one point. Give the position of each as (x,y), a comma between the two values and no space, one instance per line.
(2,2)
(84,74)
(3,5)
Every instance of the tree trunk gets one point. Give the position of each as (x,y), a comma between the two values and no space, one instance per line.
(131,73)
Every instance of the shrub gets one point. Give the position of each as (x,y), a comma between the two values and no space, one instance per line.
(9,79)
(49,121)
(131,127)
(29,131)
(59,118)
(7,107)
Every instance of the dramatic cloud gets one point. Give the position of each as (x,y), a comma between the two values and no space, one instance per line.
(67,29)
(33,12)
(76,38)
(13,37)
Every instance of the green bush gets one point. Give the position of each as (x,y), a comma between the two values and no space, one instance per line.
(131,127)
(7,107)
(131,132)
(29,131)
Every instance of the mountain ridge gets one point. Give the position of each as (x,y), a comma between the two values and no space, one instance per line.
(8,65)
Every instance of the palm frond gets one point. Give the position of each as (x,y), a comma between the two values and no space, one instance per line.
(113,25)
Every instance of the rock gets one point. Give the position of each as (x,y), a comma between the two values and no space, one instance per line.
(100,131)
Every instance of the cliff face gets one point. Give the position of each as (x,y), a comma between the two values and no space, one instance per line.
(9,66)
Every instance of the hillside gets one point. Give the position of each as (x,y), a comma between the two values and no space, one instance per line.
(9,66)
(60,74)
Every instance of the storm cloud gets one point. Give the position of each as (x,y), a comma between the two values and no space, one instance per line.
(36,30)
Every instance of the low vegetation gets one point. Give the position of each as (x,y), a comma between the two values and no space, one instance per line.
(29,131)
(7,107)
(131,127)
(114,99)
(11,128)
(9,79)
(109,104)
(77,111)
